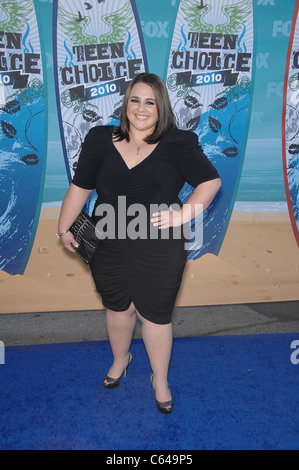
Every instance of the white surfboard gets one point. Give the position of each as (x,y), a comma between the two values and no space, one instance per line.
(98,49)
(209,76)
(290,125)
(22,136)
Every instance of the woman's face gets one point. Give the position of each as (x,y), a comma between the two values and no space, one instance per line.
(142,111)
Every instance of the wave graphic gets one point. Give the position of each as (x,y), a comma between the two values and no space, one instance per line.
(27,45)
(130,54)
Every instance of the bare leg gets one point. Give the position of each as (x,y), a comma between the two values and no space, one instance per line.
(120,327)
(158,343)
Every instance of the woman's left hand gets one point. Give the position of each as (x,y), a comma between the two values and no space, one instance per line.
(166,219)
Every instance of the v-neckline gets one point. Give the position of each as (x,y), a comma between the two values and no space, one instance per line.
(138,164)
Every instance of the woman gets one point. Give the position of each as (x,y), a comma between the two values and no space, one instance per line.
(146,160)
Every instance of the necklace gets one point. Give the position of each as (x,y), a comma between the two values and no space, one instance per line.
(138,147)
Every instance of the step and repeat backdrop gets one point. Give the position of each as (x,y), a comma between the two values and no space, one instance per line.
(232,72)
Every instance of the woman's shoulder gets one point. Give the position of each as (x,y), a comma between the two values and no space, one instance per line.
(98,132)
(180,136)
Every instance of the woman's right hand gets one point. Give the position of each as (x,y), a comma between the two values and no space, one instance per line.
(72,204)
(68,241)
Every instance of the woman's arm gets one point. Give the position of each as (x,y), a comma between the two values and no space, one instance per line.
(72,205)
(200,199)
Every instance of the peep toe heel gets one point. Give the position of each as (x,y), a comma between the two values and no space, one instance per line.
(110,382)
(165,407)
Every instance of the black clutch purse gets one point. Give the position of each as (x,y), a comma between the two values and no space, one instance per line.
(86,235)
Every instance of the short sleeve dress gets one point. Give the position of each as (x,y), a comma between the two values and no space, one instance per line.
(136,262)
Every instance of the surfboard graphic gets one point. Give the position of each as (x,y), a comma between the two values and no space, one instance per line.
(209,82)
(22,133)
(290,125)
(98,49)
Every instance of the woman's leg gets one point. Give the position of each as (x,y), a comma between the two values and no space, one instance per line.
(120,328)
(158,343)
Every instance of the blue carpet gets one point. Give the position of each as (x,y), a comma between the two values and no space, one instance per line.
(231,392)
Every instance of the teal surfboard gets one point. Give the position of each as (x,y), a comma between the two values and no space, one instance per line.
(98,49)
(22,133)
(209,79)
(290,125)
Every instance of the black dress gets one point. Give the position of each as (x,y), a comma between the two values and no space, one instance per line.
(136,262)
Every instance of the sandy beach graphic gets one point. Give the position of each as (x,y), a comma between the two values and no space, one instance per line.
(258,262)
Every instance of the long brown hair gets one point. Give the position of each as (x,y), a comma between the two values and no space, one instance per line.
(166,119)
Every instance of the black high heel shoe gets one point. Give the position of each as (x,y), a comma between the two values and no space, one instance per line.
(109,382)
(164,407)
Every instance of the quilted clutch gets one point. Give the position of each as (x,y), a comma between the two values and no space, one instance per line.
(86,235)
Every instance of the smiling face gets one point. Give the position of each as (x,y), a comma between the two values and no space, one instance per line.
(142,111)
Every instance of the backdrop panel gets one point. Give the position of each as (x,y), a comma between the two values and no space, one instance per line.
(290,129)
(209,83)
(22,128)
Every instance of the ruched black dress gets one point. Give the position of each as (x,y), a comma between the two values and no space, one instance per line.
(135,262)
